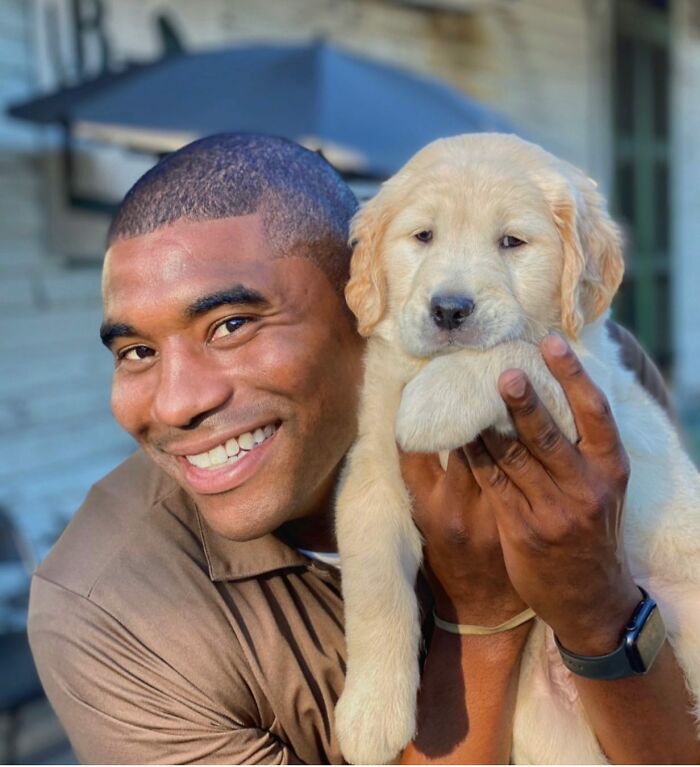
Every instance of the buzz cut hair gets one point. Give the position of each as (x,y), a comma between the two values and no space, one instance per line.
(304,204)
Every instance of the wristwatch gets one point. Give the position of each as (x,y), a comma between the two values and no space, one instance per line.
(642,638)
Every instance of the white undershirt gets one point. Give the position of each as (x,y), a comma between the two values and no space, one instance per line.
(327,557)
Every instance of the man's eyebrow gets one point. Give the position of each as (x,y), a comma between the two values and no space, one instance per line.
(235,296)
(110,331)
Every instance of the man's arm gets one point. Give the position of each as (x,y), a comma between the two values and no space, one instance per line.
(558,508)
(469,683)
(120,703)
(467,699)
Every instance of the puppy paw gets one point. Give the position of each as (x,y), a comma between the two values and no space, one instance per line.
(434,417)
(375,723)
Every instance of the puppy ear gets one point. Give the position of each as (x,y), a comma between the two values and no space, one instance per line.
(593,260)
(366,290)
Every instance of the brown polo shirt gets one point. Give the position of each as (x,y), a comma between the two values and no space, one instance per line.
(158,641)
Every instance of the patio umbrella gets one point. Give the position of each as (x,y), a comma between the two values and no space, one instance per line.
(367,117)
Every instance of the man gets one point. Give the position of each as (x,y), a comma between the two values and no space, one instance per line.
(187,613)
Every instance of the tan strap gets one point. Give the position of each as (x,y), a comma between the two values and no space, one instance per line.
(460,628)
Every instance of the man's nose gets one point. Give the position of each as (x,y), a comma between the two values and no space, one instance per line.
(190,387)
(450,311)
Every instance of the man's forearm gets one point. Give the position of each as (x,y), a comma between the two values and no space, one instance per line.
(467,699)
(645,719)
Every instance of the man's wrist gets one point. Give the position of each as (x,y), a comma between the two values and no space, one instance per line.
(641,641)
(598,631)
(497,646)
(480,630)
(485,612)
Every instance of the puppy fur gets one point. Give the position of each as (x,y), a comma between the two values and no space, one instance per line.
(434,389)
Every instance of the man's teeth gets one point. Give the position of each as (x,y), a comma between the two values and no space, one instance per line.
(246,441)
(233,450)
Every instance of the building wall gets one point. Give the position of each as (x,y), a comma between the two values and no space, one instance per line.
(544,63)
(57,435)
(685,201)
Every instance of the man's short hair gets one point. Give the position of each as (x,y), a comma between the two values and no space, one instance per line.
(304,203)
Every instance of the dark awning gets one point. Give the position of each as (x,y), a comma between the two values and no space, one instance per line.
(367,116)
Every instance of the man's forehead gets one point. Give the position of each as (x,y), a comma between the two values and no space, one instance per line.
(186,252)
(190,263)
(239,236)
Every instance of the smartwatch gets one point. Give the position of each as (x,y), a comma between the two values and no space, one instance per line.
(642,638)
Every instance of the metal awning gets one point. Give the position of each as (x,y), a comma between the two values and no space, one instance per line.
(368,117)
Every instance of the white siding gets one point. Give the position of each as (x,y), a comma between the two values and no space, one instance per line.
(544,63)
(57,435)
(685,202)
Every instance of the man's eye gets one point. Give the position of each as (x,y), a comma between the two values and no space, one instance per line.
(136,353)
(510,242)
(231,325)
(425,235)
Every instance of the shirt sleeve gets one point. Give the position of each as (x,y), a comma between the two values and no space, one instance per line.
(120,703)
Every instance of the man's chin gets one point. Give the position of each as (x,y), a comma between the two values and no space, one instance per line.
(238,518)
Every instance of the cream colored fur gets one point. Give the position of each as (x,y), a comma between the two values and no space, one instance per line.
(434,392)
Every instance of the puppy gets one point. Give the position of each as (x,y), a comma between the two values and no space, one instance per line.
(464,260)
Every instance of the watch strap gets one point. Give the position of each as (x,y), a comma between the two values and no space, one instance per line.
(624,660)
(614,665)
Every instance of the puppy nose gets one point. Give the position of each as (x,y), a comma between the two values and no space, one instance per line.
(449,312)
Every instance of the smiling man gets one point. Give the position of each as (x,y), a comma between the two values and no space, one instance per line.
(242,394)
(191,612)
(168,623)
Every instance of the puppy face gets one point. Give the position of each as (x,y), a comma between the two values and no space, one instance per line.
(480,239)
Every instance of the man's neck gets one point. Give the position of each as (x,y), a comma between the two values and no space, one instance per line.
(314,530)
(316,533)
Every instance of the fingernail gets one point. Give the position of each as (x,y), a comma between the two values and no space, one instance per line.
(556,345)
(515,385)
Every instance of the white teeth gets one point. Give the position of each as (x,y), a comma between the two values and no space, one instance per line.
(218,456)
(201,460)
(233,450)
(246,441)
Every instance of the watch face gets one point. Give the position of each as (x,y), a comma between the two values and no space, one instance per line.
(648,640)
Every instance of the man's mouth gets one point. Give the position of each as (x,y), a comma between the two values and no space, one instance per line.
(233,450)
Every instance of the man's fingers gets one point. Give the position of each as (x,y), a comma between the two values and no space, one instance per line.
(594,421)
(536,428)
(492,480)
(518,464)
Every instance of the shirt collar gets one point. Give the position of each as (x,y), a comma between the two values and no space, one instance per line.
(235,560)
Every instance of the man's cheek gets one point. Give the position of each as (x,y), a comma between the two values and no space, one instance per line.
(291,368)
(128,405)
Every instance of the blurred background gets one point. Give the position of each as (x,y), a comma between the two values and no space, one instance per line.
(93,92)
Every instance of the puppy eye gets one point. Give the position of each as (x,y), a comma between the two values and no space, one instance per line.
(510,242)
(424,235)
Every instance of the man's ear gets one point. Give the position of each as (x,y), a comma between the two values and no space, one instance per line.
(592,246)
(366,289)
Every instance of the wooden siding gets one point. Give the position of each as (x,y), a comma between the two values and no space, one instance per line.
(57,435)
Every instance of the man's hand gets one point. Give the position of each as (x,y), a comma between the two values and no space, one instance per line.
(463,557)
(558,506)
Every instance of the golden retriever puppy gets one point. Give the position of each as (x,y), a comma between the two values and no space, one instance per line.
(464,260)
